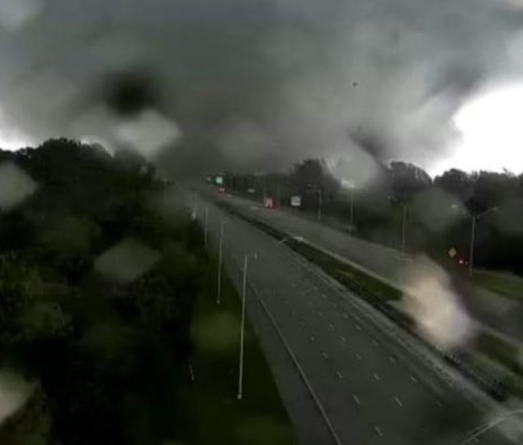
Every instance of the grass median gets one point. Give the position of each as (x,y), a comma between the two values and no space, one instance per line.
(504,284)
(212,413)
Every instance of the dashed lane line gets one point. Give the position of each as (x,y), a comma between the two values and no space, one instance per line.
(356,399)
(378,430)
(376,376)
(398,401)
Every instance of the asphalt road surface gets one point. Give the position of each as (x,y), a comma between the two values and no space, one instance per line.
(498,312)
(346,374)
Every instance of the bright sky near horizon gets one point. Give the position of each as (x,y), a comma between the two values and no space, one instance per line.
(491,132)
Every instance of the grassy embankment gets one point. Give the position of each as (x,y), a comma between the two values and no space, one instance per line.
(505,284)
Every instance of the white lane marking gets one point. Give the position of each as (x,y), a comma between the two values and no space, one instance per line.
(343,339)
(414,379)
(358,356)
(312,337)
(325,355)
(339,375)
(392,359)
(356,399)
(375,342)
(398,401)
(378,431)
(345,315)
(358,327)
(320,313)
(376,376)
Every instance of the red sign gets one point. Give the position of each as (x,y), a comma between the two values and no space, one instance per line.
(269,203)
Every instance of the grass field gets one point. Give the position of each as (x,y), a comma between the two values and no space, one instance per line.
(504,284)
(212,414)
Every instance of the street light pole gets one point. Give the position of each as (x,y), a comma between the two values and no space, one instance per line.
(195,208)
(244,297)
(206,226)
(404,229)
(220,261)
(472,241)
(320,203)
(242,323)
(475,219)
(351,211)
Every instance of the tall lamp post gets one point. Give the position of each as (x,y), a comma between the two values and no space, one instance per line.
(206,226)
(246,259)
(351,211)
(404,228)
(475,218)
(220,262)
(405,211)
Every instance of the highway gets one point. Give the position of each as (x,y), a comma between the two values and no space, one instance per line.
(499,313)
(346,374)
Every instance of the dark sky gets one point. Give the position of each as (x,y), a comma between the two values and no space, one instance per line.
(257,84)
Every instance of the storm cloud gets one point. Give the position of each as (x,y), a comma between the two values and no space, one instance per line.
(259,84)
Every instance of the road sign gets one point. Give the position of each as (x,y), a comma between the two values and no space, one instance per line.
(452,252)
(295,201)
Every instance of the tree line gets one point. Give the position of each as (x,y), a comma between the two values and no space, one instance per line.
(102,349)
(403,206)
